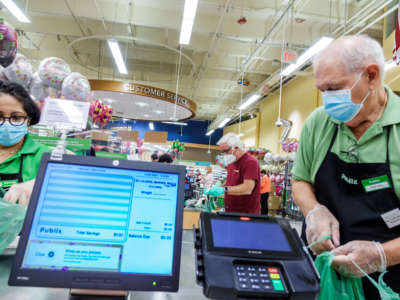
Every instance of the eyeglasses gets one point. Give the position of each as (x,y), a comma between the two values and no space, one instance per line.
(14,120)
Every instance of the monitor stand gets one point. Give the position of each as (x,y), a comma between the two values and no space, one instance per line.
(83,294)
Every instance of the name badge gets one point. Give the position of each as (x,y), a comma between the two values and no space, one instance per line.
(376,183)
(392,218)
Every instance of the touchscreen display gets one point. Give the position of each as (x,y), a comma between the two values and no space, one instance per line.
(103,219)
(249,235)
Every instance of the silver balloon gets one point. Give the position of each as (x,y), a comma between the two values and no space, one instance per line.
(76,87)
(37,88)
(20,71)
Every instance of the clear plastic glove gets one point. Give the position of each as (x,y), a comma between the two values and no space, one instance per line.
(320,223)
(20,193)
(369,256)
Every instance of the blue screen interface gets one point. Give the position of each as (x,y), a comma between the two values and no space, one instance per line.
(249,235)
(104,219)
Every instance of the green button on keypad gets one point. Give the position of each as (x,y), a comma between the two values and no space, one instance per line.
(278,286)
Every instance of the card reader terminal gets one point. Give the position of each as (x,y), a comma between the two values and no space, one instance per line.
(252,257)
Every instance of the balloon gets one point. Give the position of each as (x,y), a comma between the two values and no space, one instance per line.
(37,89)
(268,157)
(8,44)
(53,71)
(20,71)
(76,87)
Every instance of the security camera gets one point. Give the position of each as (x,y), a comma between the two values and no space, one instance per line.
(278,123)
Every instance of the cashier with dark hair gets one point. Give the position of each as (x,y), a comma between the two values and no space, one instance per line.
(19,155)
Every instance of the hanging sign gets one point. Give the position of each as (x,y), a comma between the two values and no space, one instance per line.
(65,114)
(289,56)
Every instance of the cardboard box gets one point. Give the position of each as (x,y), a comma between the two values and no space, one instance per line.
(274,202)
(100,136)
(190,218)
(128,135)
(156,137)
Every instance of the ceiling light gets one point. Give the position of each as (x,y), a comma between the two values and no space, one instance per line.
(210,132)
(241,134)
(224,122)
(173,118)
(116,52)
(307,55)
(176,123)
(14,9)
(151,125)
(141,104)
(159,112)
(146,115)
(390,65)
(189,13)
(250,101)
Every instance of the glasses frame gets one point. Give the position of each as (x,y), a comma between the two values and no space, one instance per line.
(3,120)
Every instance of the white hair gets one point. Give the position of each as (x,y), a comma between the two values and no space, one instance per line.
(233,140)
(355,52)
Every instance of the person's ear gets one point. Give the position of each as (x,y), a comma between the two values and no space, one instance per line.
(373,74)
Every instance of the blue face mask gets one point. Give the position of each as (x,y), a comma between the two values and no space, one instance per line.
(10,134)
(338,104)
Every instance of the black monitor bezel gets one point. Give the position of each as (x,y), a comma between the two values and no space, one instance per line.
(93,279)
(251,253)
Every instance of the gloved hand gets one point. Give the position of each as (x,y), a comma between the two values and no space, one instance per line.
(20,193)
(215,191)
(369,256)
(320,223)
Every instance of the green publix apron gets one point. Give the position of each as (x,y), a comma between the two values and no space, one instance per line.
(7,180)
(358,194)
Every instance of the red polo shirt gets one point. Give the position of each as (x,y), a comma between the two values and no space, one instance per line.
(246,167)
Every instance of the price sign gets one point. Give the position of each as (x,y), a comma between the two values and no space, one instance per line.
(61,113)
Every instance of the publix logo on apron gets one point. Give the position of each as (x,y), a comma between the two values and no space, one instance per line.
(349,180)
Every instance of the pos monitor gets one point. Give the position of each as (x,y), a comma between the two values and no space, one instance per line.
(98,223)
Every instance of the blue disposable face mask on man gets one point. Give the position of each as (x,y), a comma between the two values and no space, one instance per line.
(338,104)
(10,134)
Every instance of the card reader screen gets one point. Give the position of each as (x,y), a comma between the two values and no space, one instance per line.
(249,235)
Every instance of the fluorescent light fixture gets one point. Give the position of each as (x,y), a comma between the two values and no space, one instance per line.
(210,132)
(250,101)
(390,65)
(159,112)
(241,134)
(141,104)
(307,55)
(151,125)
(14,9)
(189,14)
(224,122)
(176,123)
(116,52)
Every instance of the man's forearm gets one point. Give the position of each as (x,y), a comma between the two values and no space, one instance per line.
(246,188)
(303,195)
(392,251)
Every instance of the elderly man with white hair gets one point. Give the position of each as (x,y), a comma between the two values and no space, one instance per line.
(242,187)
(346,175)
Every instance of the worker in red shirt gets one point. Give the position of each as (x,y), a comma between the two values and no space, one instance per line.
(242,187)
